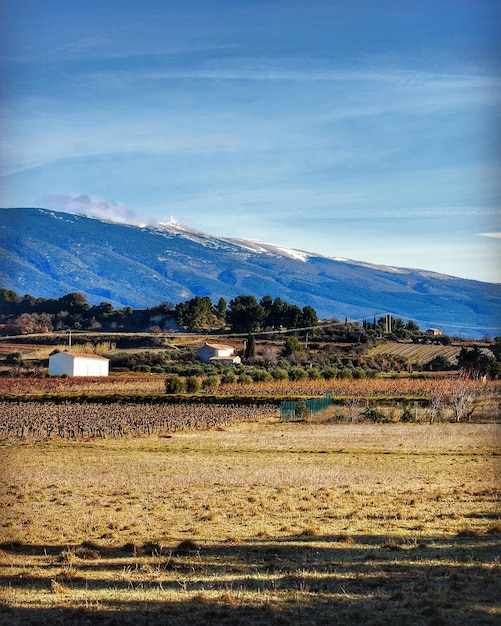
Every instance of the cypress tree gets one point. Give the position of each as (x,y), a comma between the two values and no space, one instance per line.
(250,347)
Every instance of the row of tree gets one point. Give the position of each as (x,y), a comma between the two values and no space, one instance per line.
(27,314)
(244,314)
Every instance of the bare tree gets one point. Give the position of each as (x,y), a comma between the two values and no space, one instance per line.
(353,405)
(462,395)
(438,396)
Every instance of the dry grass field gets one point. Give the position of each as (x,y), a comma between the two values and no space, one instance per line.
(262,522)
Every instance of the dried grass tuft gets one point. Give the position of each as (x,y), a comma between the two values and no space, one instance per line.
(58,588)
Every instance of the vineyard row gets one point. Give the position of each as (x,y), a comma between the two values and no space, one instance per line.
(46,421)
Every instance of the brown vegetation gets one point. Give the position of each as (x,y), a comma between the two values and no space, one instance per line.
(263,522)
(155,383)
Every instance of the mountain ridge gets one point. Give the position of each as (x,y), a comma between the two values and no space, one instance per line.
(50,253)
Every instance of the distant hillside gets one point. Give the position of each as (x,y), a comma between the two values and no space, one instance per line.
(48,254)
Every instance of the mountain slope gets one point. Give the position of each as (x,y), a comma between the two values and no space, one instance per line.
(47,253)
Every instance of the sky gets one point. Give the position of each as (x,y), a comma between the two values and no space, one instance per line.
(368,130)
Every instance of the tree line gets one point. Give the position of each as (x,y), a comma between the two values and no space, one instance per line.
(27,314)
(21,315)
(244,314)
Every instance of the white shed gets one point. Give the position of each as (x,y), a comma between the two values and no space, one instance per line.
(211,352)
(73,364)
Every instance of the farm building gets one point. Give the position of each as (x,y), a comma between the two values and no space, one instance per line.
(436,332)
(73,364)
(211,352)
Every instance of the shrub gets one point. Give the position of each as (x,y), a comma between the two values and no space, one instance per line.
(211,382)
(292,345)
(438,364)
(314,373)
(374,414)
(298,373)
(146,369)
(192,370)
(279,373)
(329,373)
(359,372)
(14,358)
(408,415)
(229,377)
(192,384)
(174,384)
(261,376)
(244,379)
(302,412)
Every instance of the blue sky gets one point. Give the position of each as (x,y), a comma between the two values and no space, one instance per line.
(366,130)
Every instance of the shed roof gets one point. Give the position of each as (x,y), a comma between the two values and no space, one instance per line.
(81,355)
(219,346)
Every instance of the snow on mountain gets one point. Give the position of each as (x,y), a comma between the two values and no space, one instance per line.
(48,254)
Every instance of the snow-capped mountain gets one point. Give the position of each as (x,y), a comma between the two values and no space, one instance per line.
(48,254)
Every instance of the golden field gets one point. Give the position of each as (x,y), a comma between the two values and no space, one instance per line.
(260,522)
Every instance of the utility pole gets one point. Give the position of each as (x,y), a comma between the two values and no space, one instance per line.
(69,340)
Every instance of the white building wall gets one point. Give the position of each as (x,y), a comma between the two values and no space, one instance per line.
(90,367)
(207,352)
(70,365)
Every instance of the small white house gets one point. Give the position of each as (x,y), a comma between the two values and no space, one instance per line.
(219,352)
(73,364)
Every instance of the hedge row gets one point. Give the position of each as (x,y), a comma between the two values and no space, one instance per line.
(198,398)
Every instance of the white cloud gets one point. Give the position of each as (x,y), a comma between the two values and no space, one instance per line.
(82,203)
(495,235)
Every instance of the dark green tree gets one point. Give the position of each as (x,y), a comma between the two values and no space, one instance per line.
(309,317)
(74,302)
(440,363)
(246,314)
(473,362)
(276,314)
(196,313)
(267,303)
(292,316)
(221,309)
(103,310)
(250,347)
(8,301)
(412,327)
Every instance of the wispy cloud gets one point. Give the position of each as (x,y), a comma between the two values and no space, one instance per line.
(303,69)
(494,235)
(82,203)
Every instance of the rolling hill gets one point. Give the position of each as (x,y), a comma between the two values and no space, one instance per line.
(48,254)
